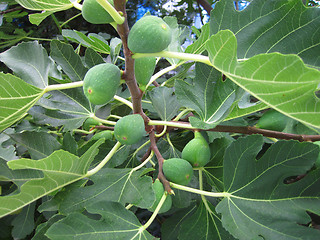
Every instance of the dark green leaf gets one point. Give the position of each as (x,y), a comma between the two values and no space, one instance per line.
(92,58)
(119,185)
(29,61)
(203,224)
(261,204)
(271,26)
(23,224)
(209,96)
(164,102)
(116,223)
(70,62)
(170,228)
(39,144)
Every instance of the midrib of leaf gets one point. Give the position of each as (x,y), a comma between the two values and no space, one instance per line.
(270,229)
(221,105)
(18,114)
(79,104)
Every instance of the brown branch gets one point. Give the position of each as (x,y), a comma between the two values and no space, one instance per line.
(267,133)
(160,159)
(11,10)
(253,130)
(128,74)
(206,6)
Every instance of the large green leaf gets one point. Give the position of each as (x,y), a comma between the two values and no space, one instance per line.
(209,96)
(261,204)
(53,5)
(39,144)
(116,223)
(23,224)
(204,224)
(70,62)
(117,185)
(282,82)
(66,107)
(16,98)
(60,169)
(164,102)
(267,26)
(29,61)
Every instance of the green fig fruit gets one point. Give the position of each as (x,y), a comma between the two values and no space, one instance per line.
(149,35)
(143,70)
(101,83)
(177,170)
(159,190)
(197,151)
(129,129)
(273,120)
(94,13)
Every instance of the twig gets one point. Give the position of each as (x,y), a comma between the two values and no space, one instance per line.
(161,176)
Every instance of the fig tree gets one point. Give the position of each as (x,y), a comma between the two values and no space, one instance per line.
(273,120)
(177,170)
(94,13)
(143,70)
(129,129)
(159,190)
(101,83)
(149,35)
(197,151)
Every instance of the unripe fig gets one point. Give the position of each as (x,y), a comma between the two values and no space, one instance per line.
(101,83)
(177,170)
(143,70)
(149,35)
(106,134)
(197,151)
(159,190)
(94,13)
(90,123)
(129,129)
(272,120)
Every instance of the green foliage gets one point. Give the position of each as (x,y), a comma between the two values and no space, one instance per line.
(273,120)
(178,170)
(197,151)
(129,129)
(159,191)
(149,35)
(94,13)
(76,163)
(101,83)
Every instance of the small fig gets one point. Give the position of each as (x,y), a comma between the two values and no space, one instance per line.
(149,35)
(129,129)
(197,151)
(177,170)
(101,83)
